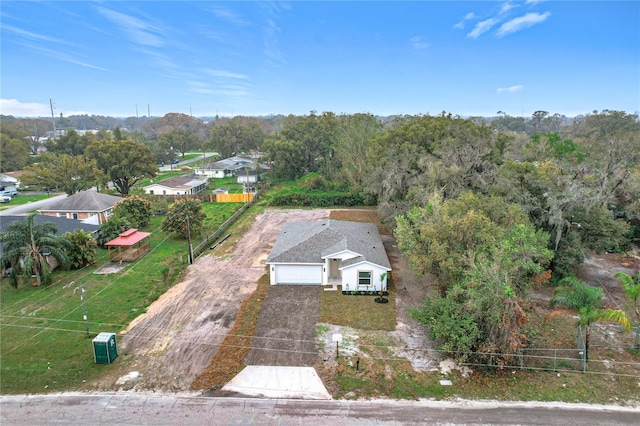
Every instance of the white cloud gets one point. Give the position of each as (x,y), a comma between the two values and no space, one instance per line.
(510,89)
(507,6)
(534,2)
(522,22)
(23,109)
(226,74)
(33,36)
(482,27)
(460,25)
(139,31)
(229,16)
(417,43)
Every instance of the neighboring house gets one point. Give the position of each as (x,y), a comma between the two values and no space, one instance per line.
(129,246)
(247,175)
(86,206)
(350,254)
(9,185)
(223,168)
(62,224)
(181,185)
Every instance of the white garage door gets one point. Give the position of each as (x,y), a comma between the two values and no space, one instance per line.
(299,274)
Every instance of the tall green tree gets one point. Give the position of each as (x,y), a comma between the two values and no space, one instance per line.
(236,135)
(70,143)
(485,254)
(303,145)
(354,135)
(14,153)
(418,155)
(184,218)
(136,209)
(586,301)
(64,172)
(124,162)
(179,139)
(27,245)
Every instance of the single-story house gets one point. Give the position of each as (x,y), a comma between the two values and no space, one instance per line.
(330,252)
(129,246)
(223,168)
(86,206)
(181,185)
(247,175)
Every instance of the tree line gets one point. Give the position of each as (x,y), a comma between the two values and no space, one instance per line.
(491,207)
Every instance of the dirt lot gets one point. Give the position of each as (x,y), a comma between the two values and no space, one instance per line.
(180,332)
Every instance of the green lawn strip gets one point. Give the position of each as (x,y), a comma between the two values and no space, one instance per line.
(359,312)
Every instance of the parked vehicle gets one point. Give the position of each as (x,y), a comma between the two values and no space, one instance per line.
(5,198)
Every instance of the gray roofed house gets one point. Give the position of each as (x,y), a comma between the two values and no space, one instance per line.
(330,252)
(87,206)
(180,185)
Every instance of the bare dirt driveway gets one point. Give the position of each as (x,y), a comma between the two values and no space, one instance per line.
(179,334)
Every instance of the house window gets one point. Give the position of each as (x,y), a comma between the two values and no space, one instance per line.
(364,278)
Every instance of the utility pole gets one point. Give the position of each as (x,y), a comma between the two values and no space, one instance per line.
(189,232)
(53,119)
(84,307)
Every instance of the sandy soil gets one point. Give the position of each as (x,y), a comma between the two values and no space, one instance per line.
(180,332)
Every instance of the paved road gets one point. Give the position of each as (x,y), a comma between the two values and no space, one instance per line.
(158,409)
(34,205)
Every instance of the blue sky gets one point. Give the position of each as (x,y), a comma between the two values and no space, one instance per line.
(259,58)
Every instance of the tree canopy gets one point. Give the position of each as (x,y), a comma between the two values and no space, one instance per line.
(125,162)
(64,172)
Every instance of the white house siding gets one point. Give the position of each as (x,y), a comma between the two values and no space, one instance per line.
(296,274)
(350,277)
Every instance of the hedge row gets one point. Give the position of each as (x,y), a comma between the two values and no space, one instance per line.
(323,200)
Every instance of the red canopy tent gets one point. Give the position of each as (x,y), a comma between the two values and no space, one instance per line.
(129,246)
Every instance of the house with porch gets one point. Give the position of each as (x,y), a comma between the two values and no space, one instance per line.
(330,252)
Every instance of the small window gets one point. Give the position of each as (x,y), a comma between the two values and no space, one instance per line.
(364,278)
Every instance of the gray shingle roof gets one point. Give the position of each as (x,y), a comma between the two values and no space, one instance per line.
(84,201)
(62,223)
(309,242)
(180,182)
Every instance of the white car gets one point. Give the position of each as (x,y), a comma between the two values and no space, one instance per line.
(4,198)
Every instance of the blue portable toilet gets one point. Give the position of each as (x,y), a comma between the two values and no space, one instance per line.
(105,349)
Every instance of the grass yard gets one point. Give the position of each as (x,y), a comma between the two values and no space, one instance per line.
(44,346)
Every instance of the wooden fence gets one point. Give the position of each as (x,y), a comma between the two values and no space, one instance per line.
(234,198)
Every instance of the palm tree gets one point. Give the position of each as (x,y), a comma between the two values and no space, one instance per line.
(632,288)
(27,245)
(586,301)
